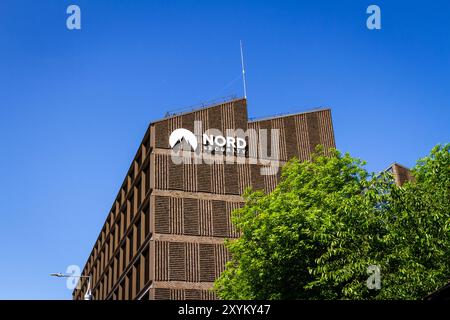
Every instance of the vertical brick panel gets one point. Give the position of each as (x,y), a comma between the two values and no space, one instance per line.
(227,117)
(257,178)
(252,140)
(267,125)
(270,182)
(188,121)
(202,115)
(302,137)
(214,120)
(208,295)
(176,175)
(220,225)
(205,212)
(162,168)
(177,261)
(162,260)
(204,177)
(190,177)
(192,262)
(291,138)
(240,115)
(221,257)
(244,177)
(176,215)
(231,206)
(218,178)
(313,130)
(231,179)
(162,134)
(191,216)
(162,215)
(162,294)
(207,267)
(281,146)
(176,294)
(192,294)
(326,130)
(174,123)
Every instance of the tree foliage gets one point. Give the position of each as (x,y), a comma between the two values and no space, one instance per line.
(328,220)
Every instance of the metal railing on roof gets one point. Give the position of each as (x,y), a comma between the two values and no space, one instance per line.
(285,114)
(201,105)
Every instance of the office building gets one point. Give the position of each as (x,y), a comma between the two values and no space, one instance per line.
(164,235)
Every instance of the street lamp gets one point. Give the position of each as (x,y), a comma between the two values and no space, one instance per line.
(88,295)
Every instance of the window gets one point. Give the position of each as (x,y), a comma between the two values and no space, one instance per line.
(126,218)
(131,206)
(100,290)
(94,275)
(105,286)
(123,289)
(130,285)
(139,159)
(130,246)
(146,265)
(116,266)
(124,263)
(110,271)
(98,273)
(111,245)
(102,255)
(146,221)
(122,225)
(137,268)
(147,179)
(106,254)
(138,195)
(138,234)
(117,235)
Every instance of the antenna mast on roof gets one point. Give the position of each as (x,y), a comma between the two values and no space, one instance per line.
(243,71)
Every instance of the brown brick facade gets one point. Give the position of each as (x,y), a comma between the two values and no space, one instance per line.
(164,235)
(401,174)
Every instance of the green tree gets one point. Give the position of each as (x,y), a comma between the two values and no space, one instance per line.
(328,220)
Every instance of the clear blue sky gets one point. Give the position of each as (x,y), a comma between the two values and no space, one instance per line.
(74,105)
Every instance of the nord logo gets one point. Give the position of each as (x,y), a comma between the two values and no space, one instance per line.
(236,146)
(217,143)
(178,135)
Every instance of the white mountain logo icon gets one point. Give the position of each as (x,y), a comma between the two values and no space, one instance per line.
(178,135)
